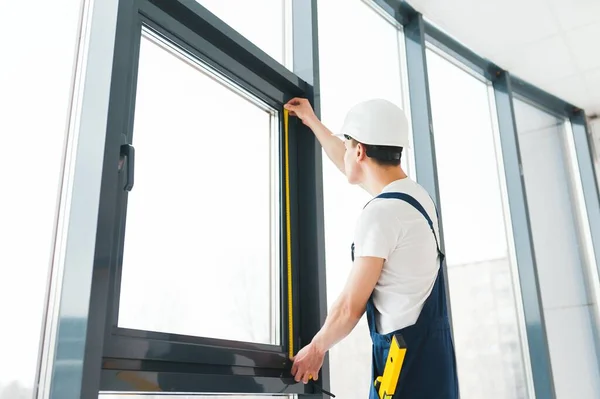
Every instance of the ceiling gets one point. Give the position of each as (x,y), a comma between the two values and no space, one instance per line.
(553,44)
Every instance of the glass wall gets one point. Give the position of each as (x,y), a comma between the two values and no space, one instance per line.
(483,297)
(368,63)
(361,57)
(559,250)
(272,34)
(35,88)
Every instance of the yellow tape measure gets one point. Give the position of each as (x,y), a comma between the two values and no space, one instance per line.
(288,225)
(288,235)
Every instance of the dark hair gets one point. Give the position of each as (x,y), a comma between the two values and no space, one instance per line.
(383,155)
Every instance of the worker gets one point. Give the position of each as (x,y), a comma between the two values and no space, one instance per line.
(396,276)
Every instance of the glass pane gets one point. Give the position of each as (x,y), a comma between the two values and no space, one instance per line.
(241,15)
(480,271)
(202,244)
(559,247)
(341,61)
(32,143)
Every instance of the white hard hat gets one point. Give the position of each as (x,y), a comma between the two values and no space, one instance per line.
(377,122)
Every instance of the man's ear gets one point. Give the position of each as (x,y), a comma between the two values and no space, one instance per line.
(361,152)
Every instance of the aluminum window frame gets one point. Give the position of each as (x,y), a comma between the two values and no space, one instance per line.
(511,245)
(418,34)
(276,240)
(582,189)
(123,346)
(474,70)
(129,360)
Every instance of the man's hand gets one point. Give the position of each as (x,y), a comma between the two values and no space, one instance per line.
(342,318)
(307,363)
(301,108)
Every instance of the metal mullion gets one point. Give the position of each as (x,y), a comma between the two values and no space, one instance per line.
(512,258)
(537,339)
(587,208)
(68,368)
(422,124)
(587,172)
(311,287)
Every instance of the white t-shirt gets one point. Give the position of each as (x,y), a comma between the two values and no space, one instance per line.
(395,231)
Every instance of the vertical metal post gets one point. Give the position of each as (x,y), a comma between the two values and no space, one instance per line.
(422,123)
(585,163)
(64,357)
(587,203)
(311,226)
(305,41)
(526,263)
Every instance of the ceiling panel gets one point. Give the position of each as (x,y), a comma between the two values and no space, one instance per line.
(585,46)
(575,13)
(550,43)
(592,83)
(546,60)
(592,79)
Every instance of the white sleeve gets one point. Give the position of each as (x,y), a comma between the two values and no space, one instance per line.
(376,232)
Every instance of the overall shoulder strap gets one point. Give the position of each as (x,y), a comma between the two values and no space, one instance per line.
(417,205)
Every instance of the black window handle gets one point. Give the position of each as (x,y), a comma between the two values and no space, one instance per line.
(128,152)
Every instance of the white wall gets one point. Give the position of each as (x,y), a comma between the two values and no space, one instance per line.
(558,251)
(38,40)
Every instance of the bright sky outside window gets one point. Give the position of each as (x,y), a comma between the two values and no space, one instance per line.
(35,87)
(201,245)
(370,57)
(242,15)
(484,312)
(559,249)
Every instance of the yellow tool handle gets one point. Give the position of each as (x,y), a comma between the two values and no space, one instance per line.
(386,384)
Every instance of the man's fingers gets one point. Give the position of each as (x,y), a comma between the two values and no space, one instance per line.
(305,377)
(291,109)
(296,101)
(295,104)
(298,376)
(297,371)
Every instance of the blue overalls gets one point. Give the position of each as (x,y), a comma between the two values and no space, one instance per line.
(429,368)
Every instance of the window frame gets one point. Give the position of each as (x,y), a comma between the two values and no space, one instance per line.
(197,364)
(485,77)
(418,33)
(196,346)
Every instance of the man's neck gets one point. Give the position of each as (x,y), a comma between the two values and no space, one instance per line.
(379,178)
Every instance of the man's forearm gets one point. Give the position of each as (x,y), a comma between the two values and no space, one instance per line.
(334,147)
(339,323)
